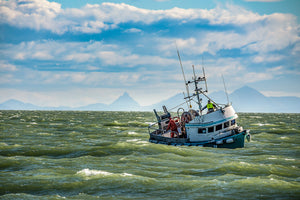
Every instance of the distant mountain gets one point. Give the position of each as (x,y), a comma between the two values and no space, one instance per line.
(13,104)
(244,99)
(125,103)
(247,99)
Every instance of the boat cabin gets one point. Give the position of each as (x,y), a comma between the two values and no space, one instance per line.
(212,125)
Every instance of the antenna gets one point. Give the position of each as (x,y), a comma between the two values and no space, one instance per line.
(225,90)
(186,85)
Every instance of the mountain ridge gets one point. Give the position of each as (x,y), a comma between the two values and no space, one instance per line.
(245,99)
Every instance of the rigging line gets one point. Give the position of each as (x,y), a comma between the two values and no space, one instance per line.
(195,101)
(182,104)
(177,106)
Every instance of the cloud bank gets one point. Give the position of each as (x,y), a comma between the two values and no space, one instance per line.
(120,46)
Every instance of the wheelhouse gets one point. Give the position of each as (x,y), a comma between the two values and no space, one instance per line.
(220,127)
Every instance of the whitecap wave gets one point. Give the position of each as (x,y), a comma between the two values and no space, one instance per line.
(126,174)
(289,159)
(150,123)
(133,140)
(89,172)
(45,134)
(284,137)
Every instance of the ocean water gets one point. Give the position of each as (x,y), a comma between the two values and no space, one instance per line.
(106,155)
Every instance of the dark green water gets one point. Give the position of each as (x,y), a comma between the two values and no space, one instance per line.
(106,155)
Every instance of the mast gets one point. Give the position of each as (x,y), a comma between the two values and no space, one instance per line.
(195,80)
(196,88)
(199,91)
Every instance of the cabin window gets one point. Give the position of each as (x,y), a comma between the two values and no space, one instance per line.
(218,127)
(201,130)
(210,129)
(232,122)
(226,124)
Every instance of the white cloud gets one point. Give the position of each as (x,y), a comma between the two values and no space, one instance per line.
(231,14)
(279,93)
(70,79)
(133,30)
(78,57)
(263,33)
(41,14)
(131,60)
(267,74)
(276,32)
(7,67)
(35,14)
(7,79)
(82,52)
(268,58)
(252,77)
(42,55)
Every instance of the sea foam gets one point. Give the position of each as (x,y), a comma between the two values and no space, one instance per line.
(90,172)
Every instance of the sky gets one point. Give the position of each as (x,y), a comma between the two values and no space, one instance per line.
(75,53)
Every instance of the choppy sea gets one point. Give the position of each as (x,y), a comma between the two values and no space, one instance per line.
(106,155)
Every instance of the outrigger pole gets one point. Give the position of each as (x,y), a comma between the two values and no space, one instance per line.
(206,90)
(186,84)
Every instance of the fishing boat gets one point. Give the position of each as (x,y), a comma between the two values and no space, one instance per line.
(217,127)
